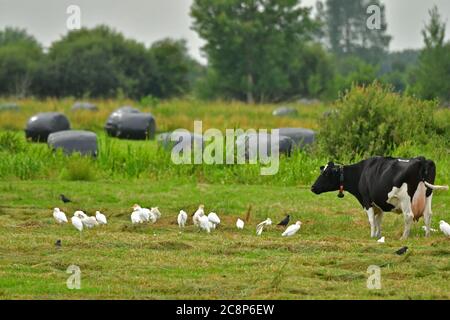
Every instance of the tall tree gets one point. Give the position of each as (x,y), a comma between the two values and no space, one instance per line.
(347,32)
(250,43)
(432,77)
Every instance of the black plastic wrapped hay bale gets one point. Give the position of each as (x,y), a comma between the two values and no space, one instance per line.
(284,111)
(300,136)
(41,125)
(180,138)
(84,106)
(131,125)
(126,109)
(114,118)
(71,141)
(9,106)
(285,144)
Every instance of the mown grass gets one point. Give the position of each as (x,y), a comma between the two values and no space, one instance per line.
(328,259)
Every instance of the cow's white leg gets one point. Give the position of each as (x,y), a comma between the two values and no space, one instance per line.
(400,198)
(427,213)
(371,216)
(378,220)
(407,215)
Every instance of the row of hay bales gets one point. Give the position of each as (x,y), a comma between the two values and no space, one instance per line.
(54,128)
(290,139)
(130,123)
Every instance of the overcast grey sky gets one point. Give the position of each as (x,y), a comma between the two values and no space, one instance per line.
(150,20)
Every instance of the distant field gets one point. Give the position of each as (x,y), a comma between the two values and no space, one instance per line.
(328,258)
(170,115)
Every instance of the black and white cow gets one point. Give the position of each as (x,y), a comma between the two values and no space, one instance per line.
(383,184)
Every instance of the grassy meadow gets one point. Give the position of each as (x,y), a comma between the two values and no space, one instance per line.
(327,259)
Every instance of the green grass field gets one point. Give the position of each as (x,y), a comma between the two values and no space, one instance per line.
(327,259)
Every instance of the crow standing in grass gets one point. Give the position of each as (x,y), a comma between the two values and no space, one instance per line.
(401,251)
(285,221)
(64,198)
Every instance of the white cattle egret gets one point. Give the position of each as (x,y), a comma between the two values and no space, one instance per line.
(59,216)
(381,240)
(292,229)
(136,217)
(89,222)
(143,212)
(101,218)
(260,226)
(76,222)
(214,218)
(151,216)
(445,227)
(199,213)
(240,224)
(80,214)
(431,229)
(155,211)
(204,223)
(182,218)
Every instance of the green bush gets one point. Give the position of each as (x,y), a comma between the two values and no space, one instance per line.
(373,120)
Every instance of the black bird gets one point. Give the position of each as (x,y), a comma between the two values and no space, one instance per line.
(401,251)
(285,221)
(58,243)
(64,198)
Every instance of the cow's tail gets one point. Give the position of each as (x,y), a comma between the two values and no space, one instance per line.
(433,187)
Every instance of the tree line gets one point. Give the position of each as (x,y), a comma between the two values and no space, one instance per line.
(257,51)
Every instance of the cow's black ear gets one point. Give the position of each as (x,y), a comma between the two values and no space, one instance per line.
(322,167)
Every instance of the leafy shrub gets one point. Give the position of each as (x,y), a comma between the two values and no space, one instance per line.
(373,120)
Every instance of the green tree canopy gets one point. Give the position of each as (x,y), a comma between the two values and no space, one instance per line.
(432,77)
(20,55)
(252,45)
(173,66)
(98,62)
(347,33)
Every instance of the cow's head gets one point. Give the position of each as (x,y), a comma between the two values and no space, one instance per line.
(330,179)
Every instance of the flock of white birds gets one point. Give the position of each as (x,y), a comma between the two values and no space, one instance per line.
(205,222)
(209,222)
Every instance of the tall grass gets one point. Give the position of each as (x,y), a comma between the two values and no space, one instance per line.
(124,159)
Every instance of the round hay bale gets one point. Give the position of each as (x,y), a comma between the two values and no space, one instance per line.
(300,136)
(84,106)
(71,141)
(9,106)
(181,138)
(131,125)
(285,144)
(284,111)
(41,125)
(306,101)
(126,109)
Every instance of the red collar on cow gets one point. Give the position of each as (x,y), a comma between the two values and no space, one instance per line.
(341,181)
